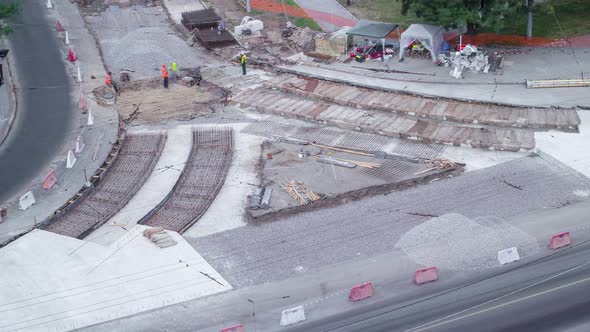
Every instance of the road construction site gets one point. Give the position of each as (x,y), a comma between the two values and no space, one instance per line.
(226,181)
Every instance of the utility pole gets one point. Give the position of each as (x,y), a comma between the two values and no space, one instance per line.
(529,28)
(253,313)
(248,8)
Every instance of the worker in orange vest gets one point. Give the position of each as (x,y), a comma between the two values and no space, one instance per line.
(165,76)
(108,80)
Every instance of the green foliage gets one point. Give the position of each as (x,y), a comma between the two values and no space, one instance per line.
(472,14)
(7,11)
(307,22)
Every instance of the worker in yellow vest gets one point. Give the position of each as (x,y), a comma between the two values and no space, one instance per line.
(174,70)
(243,62)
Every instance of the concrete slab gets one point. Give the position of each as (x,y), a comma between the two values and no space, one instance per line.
(53,282)
(569,148)
(157,186)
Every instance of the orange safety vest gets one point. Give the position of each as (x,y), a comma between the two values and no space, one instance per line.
(164,72)
(108,80)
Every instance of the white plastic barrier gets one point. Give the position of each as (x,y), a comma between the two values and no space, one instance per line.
(48,4)
(292,316)
(508,255)
(90,121)
(26,201)
(71,160)
(79,145)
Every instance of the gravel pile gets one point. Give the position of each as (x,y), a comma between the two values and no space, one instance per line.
(456,242)
(141,39)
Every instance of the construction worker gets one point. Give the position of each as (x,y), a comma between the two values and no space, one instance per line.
(243,62)
(108,80)
(174,70)
(165,76)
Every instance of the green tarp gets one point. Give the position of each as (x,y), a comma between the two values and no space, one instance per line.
(372,29)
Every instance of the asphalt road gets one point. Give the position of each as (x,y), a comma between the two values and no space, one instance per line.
(551,294)
(44,113)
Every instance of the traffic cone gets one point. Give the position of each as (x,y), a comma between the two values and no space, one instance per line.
(48,4)
(90,121)
(67,38)
(72,56)
(79,78)
(59,27)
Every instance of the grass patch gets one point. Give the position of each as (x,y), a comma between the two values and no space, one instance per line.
(290,3)
(380,10)
(571,14)
(303,22)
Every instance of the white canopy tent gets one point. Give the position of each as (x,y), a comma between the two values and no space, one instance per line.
(430,36)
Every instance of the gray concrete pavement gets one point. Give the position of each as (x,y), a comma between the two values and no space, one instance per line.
(330,8)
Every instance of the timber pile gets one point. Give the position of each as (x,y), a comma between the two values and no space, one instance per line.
(437,164)
(300,192)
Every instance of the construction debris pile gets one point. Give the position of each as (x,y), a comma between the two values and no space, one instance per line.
(300,192)
(159,237)
(469,58)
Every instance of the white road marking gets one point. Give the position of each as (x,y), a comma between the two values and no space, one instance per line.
(430,324)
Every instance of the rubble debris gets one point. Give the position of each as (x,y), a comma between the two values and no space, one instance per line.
(300,192)
(256,199)
(159,237)
(438,164)
(248,26)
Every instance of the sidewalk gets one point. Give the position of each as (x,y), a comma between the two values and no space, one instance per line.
(423,78)
(337,16)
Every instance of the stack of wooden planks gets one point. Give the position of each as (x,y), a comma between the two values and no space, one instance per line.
(299,192)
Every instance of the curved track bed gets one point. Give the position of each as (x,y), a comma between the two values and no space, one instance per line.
(125,176)
(202,178)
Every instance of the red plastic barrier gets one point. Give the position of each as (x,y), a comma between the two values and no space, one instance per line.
(235,328)
(560,240)
(425,275)
(361,292)
(72,56)
(59,27)
(82,103)
(49,180)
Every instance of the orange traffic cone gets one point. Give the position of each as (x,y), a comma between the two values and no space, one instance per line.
(83,104)
(72,56)
(59,27)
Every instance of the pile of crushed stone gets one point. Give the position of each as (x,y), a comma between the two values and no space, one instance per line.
(456,242)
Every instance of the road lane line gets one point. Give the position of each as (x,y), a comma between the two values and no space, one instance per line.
(508,303)
(428,325)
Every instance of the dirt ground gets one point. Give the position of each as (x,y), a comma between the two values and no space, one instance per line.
(147,102)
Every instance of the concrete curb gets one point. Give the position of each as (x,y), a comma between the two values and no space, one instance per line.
(11,99)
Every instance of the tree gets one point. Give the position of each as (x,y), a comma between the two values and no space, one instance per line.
(7,11)
(472,14)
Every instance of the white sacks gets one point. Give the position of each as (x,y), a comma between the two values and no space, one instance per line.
(508,255)
(26,201)
(292,316)
(71,160)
